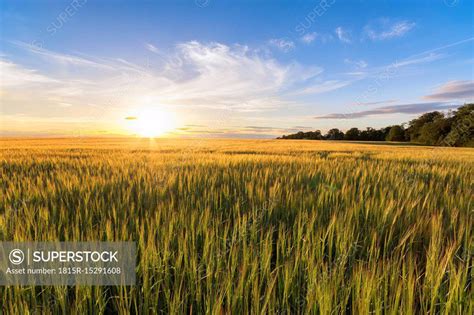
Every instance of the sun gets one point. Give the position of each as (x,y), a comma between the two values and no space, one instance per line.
(152,122)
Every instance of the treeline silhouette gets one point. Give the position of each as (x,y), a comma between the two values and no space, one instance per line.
(456,128)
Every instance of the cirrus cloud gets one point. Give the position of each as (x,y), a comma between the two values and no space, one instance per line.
(343,35)
(414,108)
(195,74)
(16,75)
(453,90)
(309,37)
(282,44)
(383,29)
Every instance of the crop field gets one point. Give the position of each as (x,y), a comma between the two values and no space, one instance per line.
(248,226)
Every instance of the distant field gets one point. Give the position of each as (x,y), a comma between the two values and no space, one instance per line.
(239,226)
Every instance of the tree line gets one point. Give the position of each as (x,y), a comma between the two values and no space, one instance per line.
(455,128)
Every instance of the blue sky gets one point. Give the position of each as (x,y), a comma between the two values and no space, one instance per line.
(230,68)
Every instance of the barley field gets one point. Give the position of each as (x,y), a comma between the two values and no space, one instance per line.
(248,226)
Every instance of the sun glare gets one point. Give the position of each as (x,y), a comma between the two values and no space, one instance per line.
(152,122)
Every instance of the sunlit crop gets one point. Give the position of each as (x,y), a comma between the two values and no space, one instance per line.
(227,226)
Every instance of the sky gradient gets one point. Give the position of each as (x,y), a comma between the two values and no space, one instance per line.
(230,68)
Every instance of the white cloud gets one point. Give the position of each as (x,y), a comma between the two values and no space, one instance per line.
(383,29)
(358,64)
(417,60)
(80,61)
(454,90)
(343,35)
(309,37)
(62,58)
(323,87)
(414,108)
(377,102)
(152,48)
(194,75)
(211,75)
(283,44)
(16,75)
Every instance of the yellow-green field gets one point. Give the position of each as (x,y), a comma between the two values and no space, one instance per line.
(249,226)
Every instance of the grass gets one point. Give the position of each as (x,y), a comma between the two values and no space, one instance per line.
(249,226)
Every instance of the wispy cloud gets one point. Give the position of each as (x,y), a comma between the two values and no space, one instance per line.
(467,40)
(323,87)
(282,44)
(391,70)
(309,37)
(414,108)
(358,64)
(192,76)
(453,90)
(417,60)
(15,75)
(62,58)
(377,102)
(383,29)
(238,131)
(207,75)
(273,130)
(342,34)
(152,48)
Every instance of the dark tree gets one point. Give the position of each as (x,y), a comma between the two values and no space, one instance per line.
(310,135)
(352,134)
(396,133)
(453,129)
(433,133)
(371,134)
(334,134)
(461,133)
(313,135)
(415,125)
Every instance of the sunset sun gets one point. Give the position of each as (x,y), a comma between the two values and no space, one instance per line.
(151,122)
